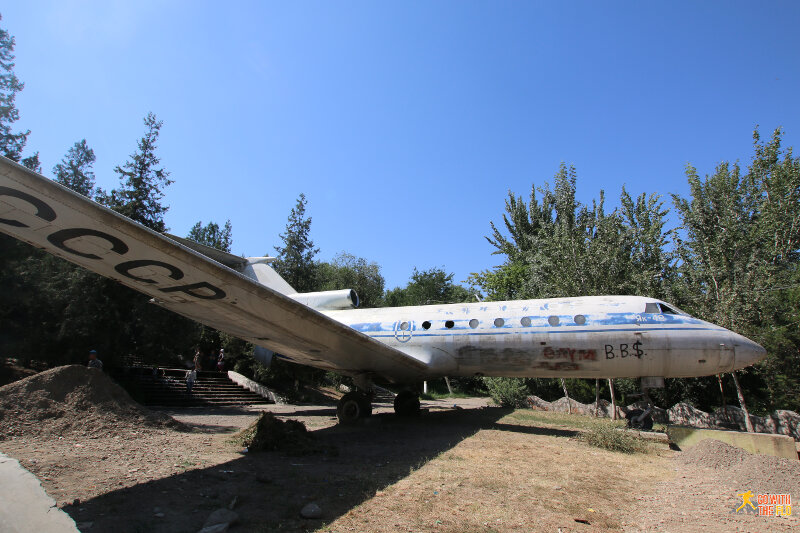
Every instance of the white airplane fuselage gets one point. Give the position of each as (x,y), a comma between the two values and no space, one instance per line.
(586,337)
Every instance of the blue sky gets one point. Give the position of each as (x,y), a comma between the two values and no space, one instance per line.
(404,123)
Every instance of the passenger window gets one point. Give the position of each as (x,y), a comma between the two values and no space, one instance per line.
(498,322)
(526,321)
(553,320)
(473,323)
(426,325)
(580,320)
(404,326)
(449,324)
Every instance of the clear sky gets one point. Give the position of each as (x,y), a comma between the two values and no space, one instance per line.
(404,123)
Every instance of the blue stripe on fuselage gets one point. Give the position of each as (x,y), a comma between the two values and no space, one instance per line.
(610,319)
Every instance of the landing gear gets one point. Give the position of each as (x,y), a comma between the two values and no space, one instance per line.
(640,419)
(354,406)
(406,404)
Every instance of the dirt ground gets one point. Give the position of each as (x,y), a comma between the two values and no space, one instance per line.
(459,467)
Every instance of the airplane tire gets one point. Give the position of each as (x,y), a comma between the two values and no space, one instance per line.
(645,424)
(352,407)
(406,404)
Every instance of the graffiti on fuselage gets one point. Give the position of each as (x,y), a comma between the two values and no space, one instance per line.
(572,354)
(61,239)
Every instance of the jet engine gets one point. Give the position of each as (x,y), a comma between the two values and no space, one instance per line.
(328,300)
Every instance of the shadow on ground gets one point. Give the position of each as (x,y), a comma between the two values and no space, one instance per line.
(271,488)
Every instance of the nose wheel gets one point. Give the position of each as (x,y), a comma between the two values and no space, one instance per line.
(354,406)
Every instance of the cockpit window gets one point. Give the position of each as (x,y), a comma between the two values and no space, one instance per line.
(667,310)
(661,308)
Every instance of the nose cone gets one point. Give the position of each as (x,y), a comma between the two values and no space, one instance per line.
(746,352)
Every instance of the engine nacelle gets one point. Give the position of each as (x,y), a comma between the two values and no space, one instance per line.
(328,300)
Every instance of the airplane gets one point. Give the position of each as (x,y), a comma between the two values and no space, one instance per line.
(583,337)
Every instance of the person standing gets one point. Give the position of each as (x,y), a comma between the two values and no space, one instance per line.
(94,362)
(191,377)
(197,357)
(221,360)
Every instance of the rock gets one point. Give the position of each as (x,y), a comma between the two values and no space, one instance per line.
(221,516)
(83,526)
(76,502)
(159,515)
(311,510)
(217,528)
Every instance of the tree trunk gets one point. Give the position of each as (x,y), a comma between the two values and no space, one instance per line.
(566,394)
(613,400)
(449,387)
(596,398)
(747,423)
(722,393)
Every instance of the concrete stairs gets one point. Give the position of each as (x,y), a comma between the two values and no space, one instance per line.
(168,389)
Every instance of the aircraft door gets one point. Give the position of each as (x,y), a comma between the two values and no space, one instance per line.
(404,330)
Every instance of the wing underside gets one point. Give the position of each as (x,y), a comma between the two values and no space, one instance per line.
(49,216)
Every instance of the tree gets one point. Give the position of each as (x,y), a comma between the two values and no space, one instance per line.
(296,257)
(347,271)
(739,245)
(11,144)
(32,162)
(75,169)
(432,286)
(555,246)
(141,182)
(212,235)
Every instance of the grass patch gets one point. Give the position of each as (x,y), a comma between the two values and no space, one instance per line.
(553,418)
(614,439)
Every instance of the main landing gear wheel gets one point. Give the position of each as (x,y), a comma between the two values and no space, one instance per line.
(353,406)
(406,404)
(637,421)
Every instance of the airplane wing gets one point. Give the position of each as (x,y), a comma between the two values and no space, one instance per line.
(62,222)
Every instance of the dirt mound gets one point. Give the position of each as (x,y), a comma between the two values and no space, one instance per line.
(759,473)
(76,401)
(269,434)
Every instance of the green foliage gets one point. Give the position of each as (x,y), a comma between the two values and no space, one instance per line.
(11,144)
(347,271)
(615,439)
(32,162)
(739,261)
(557,246)
(295,261)
(508,392)
(432,286)
(141,182)
(212,235)
(75,169)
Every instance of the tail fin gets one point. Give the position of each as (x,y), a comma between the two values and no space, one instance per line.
(255,268)
(258,268)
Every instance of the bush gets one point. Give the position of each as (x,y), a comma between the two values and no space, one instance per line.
(508,392)
(613,438)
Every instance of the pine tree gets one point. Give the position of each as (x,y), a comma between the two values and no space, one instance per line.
(296,257)
(32,162)
(11,144)
(75,169)
(212,235)
(141,182)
